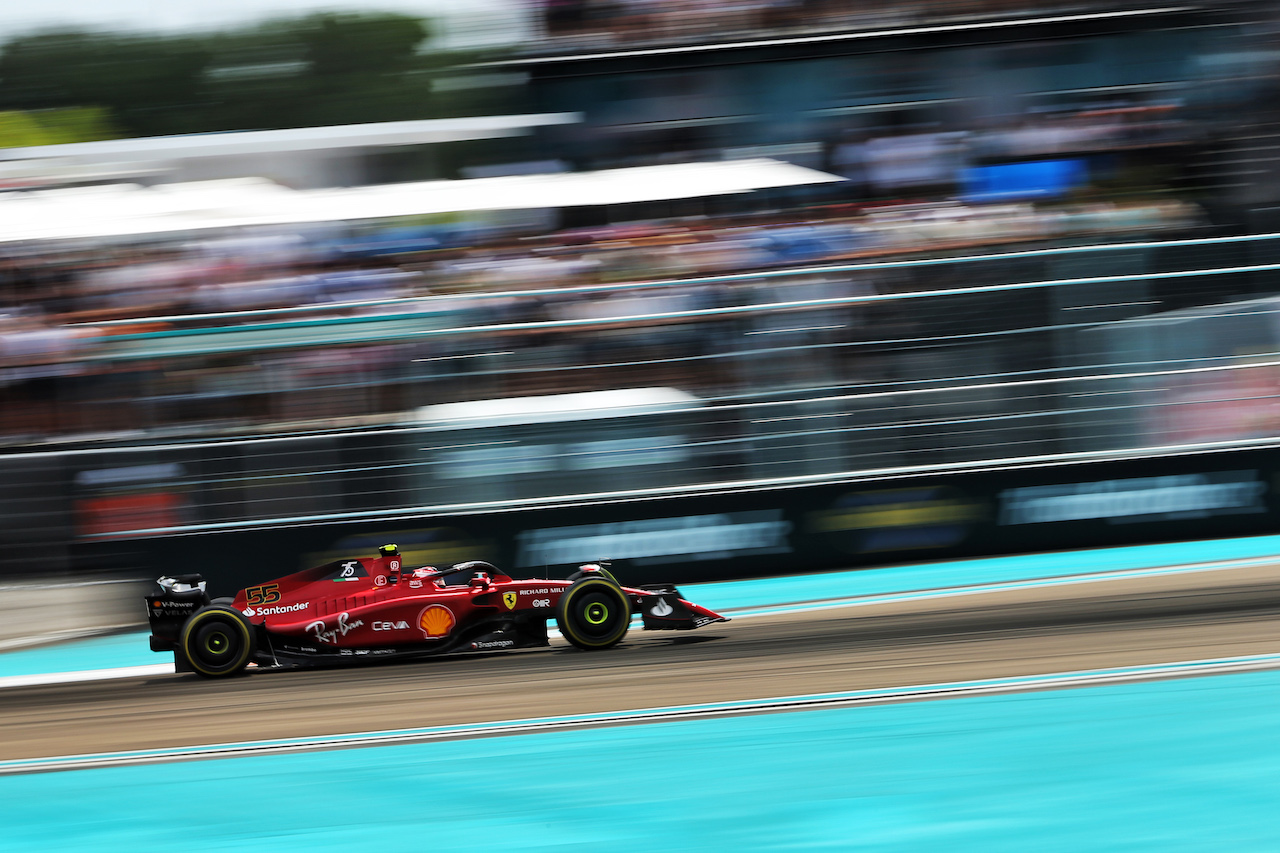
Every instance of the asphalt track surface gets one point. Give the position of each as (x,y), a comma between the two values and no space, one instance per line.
(992,635)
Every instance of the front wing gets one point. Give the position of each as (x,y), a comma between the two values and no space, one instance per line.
(662,609)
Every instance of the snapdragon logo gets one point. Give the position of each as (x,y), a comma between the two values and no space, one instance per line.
(273,611)
(1180,496)
(493,644)
(659,540)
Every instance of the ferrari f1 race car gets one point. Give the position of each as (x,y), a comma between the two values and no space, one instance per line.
(350,611)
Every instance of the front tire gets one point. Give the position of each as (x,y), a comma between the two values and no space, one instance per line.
(217,641)
(594,613)
(598,573)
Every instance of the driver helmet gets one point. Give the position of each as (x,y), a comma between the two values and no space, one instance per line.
(390,555)
(422,573)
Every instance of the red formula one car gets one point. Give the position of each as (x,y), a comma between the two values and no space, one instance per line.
(356,610)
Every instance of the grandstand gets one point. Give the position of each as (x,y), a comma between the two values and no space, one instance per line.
(204,357)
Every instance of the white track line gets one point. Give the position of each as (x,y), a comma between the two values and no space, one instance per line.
(760,610)
(945,690)
(42,678)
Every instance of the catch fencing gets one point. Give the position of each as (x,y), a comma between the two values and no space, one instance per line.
(668,390)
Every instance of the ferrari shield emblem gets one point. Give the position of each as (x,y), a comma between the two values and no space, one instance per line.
(509,599)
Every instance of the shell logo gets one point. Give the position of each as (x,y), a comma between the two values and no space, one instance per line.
(436,620)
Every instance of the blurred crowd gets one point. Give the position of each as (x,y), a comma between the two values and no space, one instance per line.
(72,319)
(225,281)
(597,23)
(85,284)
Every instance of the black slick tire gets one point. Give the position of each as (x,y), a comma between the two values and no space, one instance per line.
(594,613)
(217,641)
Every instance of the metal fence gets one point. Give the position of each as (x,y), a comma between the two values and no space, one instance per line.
(537,396)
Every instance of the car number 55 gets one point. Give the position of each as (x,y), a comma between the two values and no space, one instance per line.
(266,594)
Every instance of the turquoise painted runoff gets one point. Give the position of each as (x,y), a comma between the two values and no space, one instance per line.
(987,570)
(1179,765)
(132,649)
(117,650)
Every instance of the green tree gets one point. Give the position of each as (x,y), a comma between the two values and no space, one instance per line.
(318,70)
(354,45)
(76,124)
(148,84)
(19,129)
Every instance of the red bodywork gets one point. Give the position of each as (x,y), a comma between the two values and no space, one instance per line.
(370,602)
(365,608)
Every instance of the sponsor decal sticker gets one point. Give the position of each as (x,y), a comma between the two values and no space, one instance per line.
(331,635)
(493,644)
(397,625)
(662,608)
(276,611)
(350,571)
(436,621)
(509,599)
(170,608)
(265,594)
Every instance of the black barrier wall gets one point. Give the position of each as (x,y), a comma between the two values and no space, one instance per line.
(709,537)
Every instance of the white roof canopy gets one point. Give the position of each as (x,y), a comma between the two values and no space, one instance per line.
(586,405)
(289,140)
(123,210)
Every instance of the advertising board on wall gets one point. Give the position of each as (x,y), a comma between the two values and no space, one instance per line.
(658,541)
(1171,497)
(728,535)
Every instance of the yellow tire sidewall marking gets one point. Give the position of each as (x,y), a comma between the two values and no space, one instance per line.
(583,589)
(193,623)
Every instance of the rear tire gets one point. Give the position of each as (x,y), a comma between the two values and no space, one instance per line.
(594,613)
(217,641)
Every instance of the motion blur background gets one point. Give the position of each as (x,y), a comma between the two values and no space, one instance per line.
(272,288)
